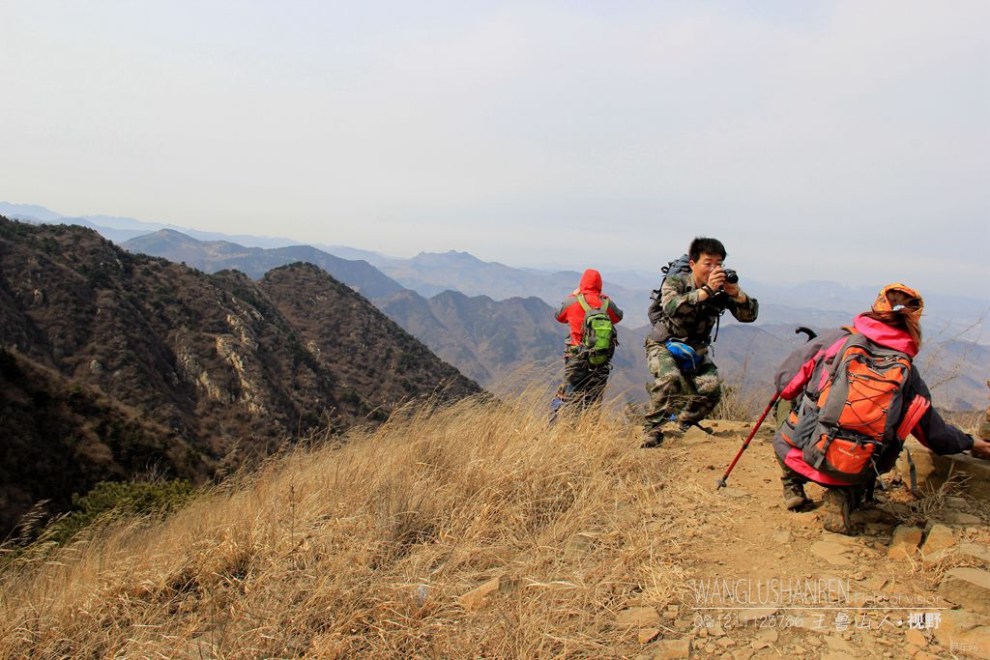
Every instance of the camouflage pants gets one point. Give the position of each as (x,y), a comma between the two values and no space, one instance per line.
(688,398)
(583,384)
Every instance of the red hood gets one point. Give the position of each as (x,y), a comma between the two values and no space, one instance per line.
(591,282)
(883,334)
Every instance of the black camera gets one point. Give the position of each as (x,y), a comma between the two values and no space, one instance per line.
(731,276)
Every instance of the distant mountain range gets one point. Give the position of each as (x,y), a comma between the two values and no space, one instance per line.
(119,229)
(821,303)
(206,353)
(508,342)
(502,344)
(213,256)
(405,288)
(114,364)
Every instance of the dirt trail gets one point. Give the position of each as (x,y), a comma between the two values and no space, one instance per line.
(766,582)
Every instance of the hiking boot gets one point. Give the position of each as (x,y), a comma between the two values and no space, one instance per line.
(679,430)
(838,517)
(870,494)
(652,438)
(794,497)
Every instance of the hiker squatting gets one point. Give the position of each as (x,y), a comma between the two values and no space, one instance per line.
(854,392)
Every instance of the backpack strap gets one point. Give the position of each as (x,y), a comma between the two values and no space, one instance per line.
(915,411)
(831,360)
(587,310)
(586,306)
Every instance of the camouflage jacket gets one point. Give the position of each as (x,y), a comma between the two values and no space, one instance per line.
(677,313)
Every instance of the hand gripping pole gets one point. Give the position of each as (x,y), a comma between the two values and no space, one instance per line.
(756,427)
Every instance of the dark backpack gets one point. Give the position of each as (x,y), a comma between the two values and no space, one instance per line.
(854,420)
(598,336)
(680,265)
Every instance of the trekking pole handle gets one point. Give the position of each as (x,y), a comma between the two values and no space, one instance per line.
(721,482)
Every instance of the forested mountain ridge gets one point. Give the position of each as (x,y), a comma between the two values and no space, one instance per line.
(143,357)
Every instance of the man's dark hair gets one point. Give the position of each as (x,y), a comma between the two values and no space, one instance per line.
(702,244)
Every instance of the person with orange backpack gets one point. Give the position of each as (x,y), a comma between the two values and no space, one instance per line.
(590,344)
(856,396)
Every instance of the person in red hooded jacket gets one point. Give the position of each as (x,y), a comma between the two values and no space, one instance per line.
(893,322)
(584,383)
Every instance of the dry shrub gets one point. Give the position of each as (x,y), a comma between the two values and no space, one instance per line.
(738,403)
(366,547)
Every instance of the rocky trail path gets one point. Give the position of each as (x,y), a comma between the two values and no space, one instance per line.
(764,582)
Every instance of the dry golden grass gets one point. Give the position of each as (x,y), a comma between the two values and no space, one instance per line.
(366,547)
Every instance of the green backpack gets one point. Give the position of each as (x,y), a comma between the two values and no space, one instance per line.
(598,339)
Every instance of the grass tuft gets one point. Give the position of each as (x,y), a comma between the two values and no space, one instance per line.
(374,546)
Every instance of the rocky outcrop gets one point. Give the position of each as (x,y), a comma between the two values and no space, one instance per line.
(984,429)
(932,471)
(213,362)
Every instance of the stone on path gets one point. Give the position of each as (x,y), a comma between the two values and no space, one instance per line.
(963,633)
(974,552)
(933,470)
(638,617)
(915,637)
(673,648)
(836,644)
(968,587)
(940,537)
(961,518)
(904,542)
(832,552)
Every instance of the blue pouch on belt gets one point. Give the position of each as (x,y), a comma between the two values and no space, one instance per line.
(686,358)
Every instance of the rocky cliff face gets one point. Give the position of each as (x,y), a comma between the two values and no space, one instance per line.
(225,366)
(984,429)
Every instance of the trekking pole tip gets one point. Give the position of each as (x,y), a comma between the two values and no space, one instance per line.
(720,483)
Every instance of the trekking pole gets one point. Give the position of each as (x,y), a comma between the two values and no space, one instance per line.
(721,482)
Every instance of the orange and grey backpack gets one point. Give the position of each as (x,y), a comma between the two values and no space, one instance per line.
(858,412)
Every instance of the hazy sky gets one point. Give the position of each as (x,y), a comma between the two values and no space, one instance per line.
(844,140)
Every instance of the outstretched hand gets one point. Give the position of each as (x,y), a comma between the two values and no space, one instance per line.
(981,449)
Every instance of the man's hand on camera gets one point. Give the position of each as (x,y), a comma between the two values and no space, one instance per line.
(981,449)
(716,279)
(731,289)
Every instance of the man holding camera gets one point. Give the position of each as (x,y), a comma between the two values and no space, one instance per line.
(686,386)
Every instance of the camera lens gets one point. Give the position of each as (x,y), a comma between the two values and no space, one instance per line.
(731,276)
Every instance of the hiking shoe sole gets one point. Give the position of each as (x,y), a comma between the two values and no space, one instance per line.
(794,496)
